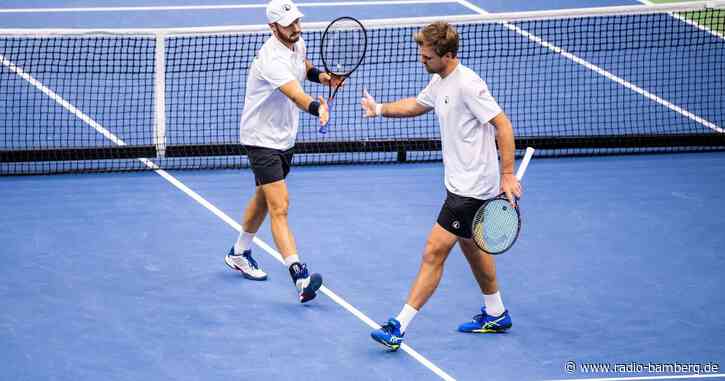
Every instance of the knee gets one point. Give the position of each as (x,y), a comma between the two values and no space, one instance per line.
(489,275)
(434,253)
(278,209)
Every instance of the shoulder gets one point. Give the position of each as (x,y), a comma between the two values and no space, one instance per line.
(470,77)
(272,61)
(471,82)
(270,50)
(435,79)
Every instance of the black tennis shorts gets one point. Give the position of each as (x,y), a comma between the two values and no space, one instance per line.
(457,213)
(269,164)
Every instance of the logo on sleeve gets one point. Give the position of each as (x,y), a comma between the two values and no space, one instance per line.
(445,99)
(456,225)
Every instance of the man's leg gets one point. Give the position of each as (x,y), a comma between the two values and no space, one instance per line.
(494,317)
(278,206)
(254,216)
(240,256)
(277,199)
(438,246)
(255,213)
(483,266)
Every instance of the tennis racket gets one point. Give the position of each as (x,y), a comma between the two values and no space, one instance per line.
(344,44)
(497,223)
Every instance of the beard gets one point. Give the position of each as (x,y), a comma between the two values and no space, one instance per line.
(289,39)
(430,70)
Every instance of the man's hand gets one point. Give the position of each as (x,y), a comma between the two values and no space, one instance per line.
(331,80)
(324,112)
(511,187)
(370,107)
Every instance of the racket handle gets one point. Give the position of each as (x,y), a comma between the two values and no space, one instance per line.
(524,163)
(323,129)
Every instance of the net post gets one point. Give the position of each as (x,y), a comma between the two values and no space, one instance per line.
(402,155)
(160,95)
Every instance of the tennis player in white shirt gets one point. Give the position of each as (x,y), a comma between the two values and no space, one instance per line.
(268,131)
(471,125)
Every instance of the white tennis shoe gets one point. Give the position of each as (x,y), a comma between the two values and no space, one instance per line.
(245,264)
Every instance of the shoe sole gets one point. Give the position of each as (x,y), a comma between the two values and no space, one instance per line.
(310,292)
(234,267)
(488,330)
(485,331)
(392,347)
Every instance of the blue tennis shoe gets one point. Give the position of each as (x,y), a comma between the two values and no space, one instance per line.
(485,323)
(389,335)
(307,284)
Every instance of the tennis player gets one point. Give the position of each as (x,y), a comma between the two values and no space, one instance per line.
(269,123)
(471,124)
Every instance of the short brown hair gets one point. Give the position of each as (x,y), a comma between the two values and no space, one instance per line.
(440,35)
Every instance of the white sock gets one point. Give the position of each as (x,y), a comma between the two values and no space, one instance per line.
(494,304)
(405,316)
(243,242)
(288,261)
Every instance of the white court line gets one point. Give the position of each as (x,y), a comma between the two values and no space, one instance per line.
(209,206)
(689,22)
(217,7)
(683,377)
(599,70)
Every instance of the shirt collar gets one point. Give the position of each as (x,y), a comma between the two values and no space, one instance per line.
(280,46)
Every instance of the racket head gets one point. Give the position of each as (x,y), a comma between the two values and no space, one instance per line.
(344,44)
(496,225)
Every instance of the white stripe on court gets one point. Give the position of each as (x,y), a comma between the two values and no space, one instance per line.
(209,206)
(58,99)
(683,377)
(599,70)
(689,22)
(218,7)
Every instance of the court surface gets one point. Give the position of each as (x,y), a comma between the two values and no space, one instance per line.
(120,276)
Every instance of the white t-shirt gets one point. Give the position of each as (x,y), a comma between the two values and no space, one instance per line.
(464,106)
(270,119)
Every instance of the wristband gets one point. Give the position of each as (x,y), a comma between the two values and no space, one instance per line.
(314,108)
(378,109)
(313,75)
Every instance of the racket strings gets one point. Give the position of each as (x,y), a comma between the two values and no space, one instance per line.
(496,229)
(343,46)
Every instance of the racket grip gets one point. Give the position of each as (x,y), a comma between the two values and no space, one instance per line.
(323,129)
(524,163)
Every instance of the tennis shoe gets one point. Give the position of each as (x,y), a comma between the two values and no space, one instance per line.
(485,323)
(307,284)
(389,334)
(245,264)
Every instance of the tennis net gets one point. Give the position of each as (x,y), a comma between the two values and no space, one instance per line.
(579,82)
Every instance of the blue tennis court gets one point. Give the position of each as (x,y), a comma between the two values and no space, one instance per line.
(120,275)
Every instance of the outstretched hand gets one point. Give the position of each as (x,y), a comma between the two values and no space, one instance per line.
(370,107)
(323,111)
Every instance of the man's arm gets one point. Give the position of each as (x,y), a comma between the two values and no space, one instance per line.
(506,147)
(402,108)
(304,102)
(505,141)
(317,76)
